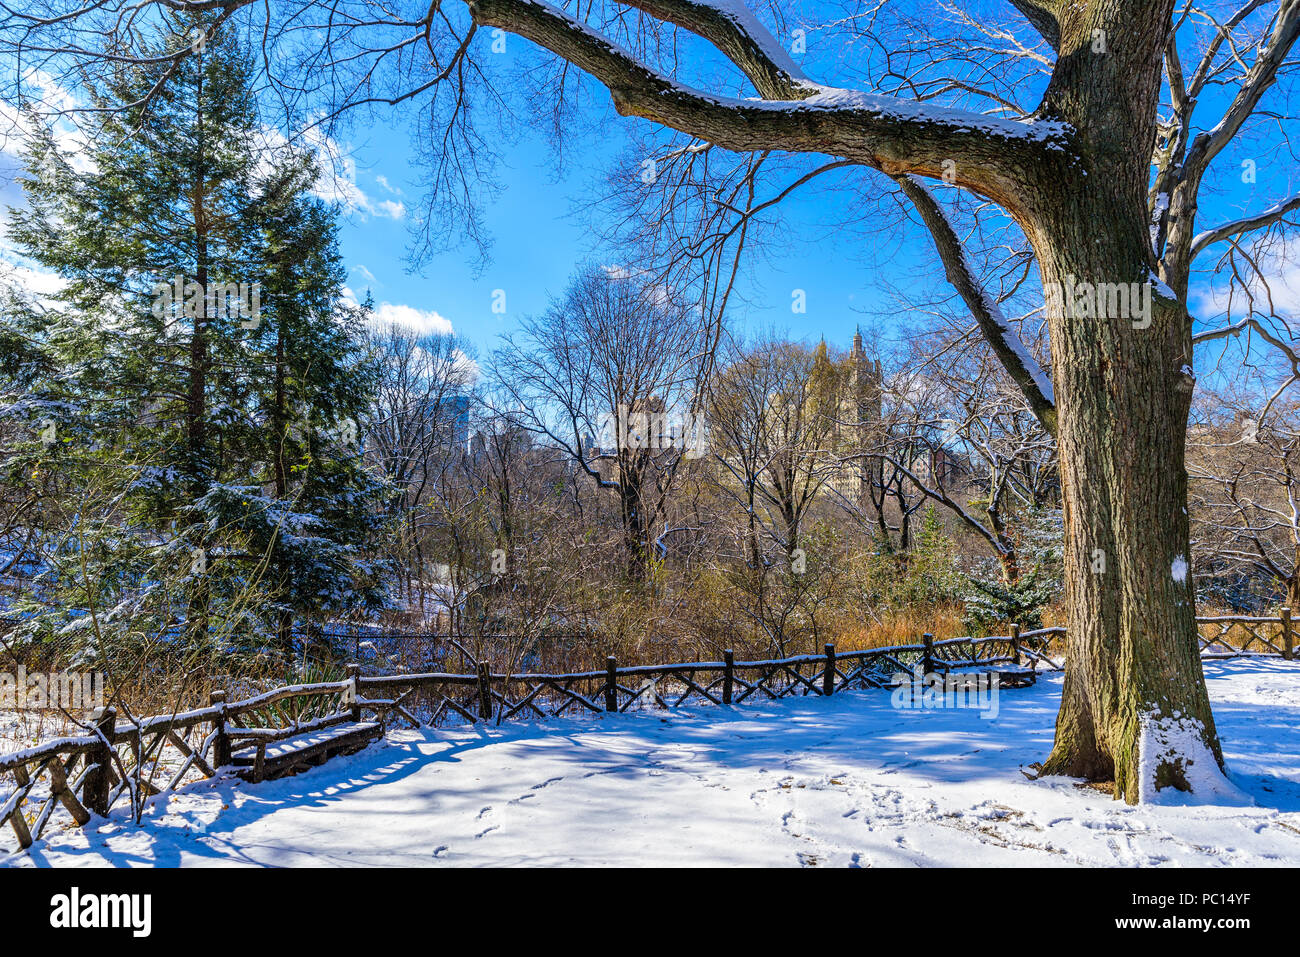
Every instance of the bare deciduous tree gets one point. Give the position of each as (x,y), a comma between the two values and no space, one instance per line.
(1244,465)
(416,431)
(616,350)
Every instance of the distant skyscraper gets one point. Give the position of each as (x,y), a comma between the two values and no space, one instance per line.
(459,418)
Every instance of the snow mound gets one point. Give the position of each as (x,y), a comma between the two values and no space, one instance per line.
(1176,744)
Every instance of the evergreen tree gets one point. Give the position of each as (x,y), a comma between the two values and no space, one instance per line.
(201,354)
(320,507)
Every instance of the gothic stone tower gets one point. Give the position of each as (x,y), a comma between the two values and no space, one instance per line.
(865,384)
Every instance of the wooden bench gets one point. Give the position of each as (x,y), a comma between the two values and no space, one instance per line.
(270,753)
(1016,677)
(1009,676)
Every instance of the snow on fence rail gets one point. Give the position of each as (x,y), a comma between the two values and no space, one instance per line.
(125,764)
(486,694)
(1228,636)
(128,763)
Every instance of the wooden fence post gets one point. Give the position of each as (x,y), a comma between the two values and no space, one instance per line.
(354,675)
(484,690)
(1015,643)
(828,676)
(1288,640)
(220,743)
(98,785)
(728,669)
(927,656)
(611,683)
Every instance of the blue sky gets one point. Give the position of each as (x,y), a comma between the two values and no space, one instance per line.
(540,235)
(849,279)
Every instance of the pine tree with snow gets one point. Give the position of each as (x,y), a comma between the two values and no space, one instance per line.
(199,359)
(992,602)
(317,507)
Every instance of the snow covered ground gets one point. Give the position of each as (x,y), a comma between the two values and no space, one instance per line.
(831,782)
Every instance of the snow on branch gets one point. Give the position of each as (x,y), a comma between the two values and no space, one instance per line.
(1243,225)
(889,133)
(731,27)
(1043,16)
(993,323)
(1261,75)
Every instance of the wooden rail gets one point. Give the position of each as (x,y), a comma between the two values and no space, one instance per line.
(1252,635)
(116,763)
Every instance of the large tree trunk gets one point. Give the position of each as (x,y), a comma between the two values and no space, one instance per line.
(1134,671)
(281,586)
(1135,708)
(636,547)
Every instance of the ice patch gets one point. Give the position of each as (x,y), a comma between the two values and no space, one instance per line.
(1179,569)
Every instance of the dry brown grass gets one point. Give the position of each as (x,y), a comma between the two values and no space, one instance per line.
(649,636)
(903,626)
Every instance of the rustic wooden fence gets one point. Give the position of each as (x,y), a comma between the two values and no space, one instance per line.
(116,763)
(487,694)
(1230,636)
(122,763)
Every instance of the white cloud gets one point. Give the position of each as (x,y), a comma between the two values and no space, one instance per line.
(1280,267)
(466,367)
(15,127)
(337,182)
(17,270)
(43,284)
(659,293)
(419,320)
(423,321)
(53,94)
